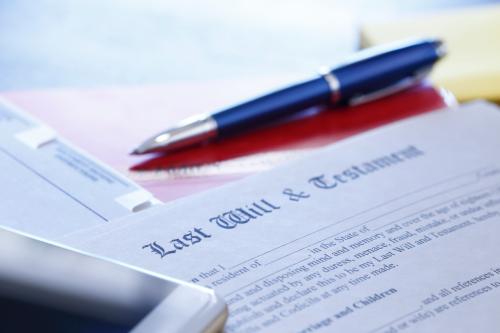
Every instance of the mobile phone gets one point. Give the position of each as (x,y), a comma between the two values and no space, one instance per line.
(48,288)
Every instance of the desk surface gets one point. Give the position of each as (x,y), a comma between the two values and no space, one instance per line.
(53,44)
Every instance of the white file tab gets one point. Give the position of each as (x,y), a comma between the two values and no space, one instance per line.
(396,230)
(50,188)
(37,137)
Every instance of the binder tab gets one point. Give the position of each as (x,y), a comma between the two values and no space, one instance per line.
(137,200)
(36,137)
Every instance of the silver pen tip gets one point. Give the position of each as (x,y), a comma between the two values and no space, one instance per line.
(191,131)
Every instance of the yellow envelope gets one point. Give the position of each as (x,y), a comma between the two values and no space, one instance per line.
(471,68)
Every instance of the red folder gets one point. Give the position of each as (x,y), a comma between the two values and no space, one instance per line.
(108,123)
(311,129)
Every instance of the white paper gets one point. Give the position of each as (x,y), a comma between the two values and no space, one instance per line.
(392,231)
(49,188)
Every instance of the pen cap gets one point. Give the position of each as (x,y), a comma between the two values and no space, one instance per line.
(380,68)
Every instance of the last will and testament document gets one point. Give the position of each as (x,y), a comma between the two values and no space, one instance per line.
(395,230)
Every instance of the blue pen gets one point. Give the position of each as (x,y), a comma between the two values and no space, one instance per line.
(371,74)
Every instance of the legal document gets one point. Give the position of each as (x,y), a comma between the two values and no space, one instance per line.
(50,188)
(395,230)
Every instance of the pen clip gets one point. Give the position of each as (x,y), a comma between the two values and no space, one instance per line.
(389,90)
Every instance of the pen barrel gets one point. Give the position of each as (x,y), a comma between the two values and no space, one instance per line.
(370,72)
(385,68)
(271,107)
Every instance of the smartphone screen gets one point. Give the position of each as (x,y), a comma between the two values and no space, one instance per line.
(48,288)
(25,316)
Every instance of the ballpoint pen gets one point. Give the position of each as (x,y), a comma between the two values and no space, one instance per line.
(371,74)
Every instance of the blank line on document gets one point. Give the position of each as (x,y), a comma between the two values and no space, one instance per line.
(476,178)
(48,181)
(375,218)
(396,320)
(268,275)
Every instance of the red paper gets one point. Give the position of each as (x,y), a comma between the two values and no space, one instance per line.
(108,123)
